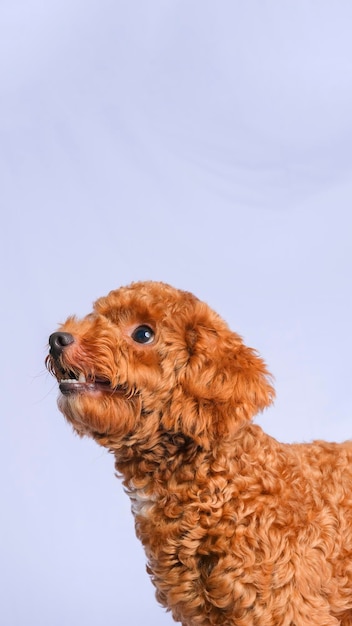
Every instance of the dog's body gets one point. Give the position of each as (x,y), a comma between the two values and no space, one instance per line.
(239,530)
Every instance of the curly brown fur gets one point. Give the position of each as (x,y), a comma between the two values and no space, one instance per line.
(238,529)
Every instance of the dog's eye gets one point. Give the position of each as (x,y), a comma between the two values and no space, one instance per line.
(143,334)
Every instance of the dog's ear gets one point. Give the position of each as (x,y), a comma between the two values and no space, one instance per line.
(224,383)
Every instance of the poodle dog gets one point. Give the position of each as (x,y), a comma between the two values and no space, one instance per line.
(238,529)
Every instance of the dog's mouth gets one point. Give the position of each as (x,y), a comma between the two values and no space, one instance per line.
(70,383)
(76,382)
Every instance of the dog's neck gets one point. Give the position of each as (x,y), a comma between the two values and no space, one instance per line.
(170,477)
(156,467)
(159,459)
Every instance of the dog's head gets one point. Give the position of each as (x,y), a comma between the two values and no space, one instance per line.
(151,358)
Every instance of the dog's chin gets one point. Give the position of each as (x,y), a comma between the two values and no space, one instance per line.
(94,411)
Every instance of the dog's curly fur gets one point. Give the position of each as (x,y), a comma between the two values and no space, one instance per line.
(239,529)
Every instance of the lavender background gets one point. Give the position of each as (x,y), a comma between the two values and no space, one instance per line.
(206,144)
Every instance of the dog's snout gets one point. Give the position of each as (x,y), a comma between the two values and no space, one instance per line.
(58,341)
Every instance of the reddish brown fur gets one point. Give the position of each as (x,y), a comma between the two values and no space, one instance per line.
(239,530)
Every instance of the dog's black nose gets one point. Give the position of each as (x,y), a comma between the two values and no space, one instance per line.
(58,341)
